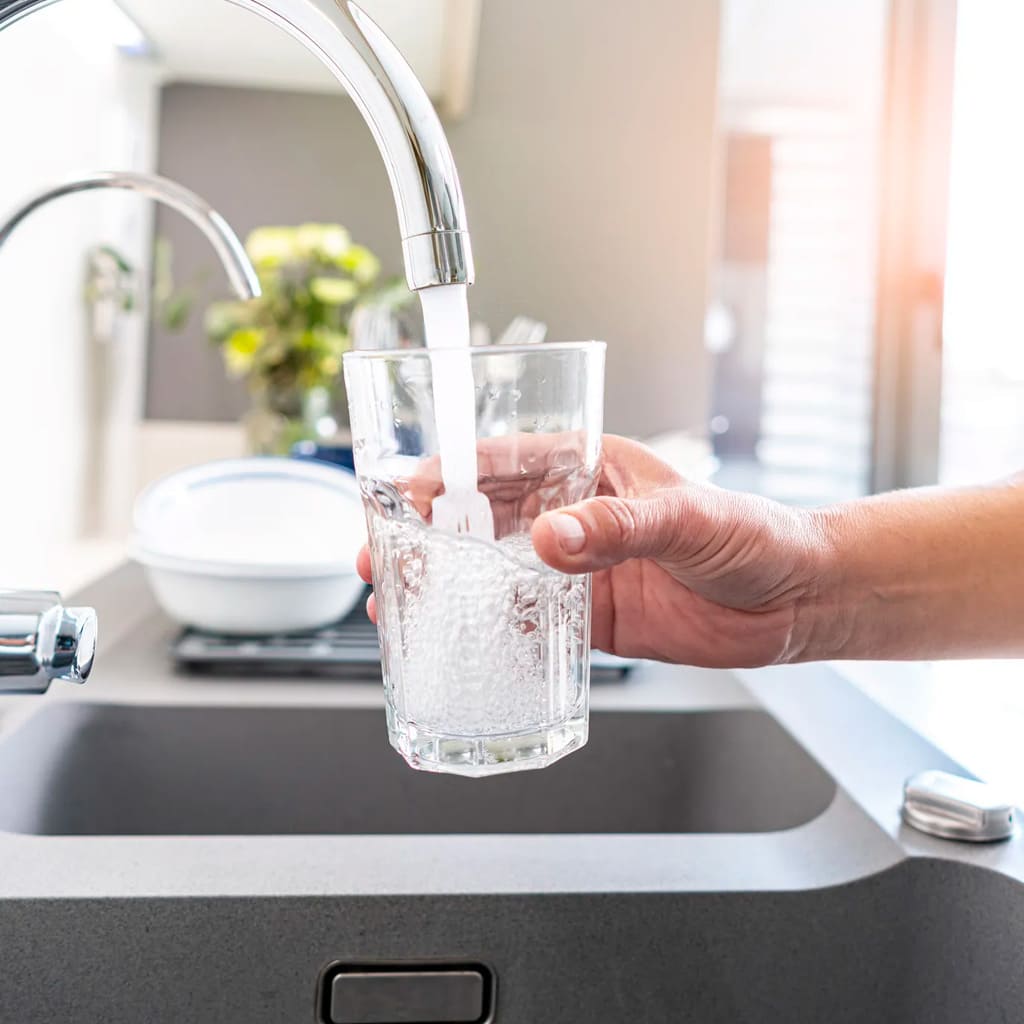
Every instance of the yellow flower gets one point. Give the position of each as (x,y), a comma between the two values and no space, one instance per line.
(321,241)
(270,247)
(240,350)
(335,241)
(333,291)
(307,239)
(360,263)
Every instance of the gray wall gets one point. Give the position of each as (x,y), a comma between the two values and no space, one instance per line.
(586,161)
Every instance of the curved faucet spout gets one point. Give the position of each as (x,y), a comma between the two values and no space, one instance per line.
(431,212)
(224,241)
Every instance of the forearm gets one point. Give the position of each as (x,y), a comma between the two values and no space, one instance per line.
(924,574)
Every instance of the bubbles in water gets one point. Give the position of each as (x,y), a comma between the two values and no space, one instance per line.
(479,639)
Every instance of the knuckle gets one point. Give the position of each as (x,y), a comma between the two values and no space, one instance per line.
(617,521)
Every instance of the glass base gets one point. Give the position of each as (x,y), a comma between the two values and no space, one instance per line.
(477,757)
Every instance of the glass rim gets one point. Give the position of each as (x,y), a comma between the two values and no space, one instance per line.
(421,351)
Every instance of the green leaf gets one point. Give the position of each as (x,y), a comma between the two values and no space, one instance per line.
(120,261)
(174,313)
(224,317)
(334,343)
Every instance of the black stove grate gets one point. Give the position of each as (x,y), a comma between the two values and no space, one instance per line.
(346,649)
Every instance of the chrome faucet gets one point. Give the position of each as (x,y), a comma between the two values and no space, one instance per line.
(225,242)
(405,126)
(40,639)
(431,213)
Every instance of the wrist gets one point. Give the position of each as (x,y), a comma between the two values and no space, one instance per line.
(824,612)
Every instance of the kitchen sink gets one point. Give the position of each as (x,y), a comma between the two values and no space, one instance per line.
(212,863)
(727,849)
(110,769)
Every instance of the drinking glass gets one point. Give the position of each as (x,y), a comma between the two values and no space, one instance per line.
(485,650)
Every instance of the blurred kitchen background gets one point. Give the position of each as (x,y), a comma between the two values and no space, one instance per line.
(796,224)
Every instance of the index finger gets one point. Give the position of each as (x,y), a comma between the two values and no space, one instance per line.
(363,566)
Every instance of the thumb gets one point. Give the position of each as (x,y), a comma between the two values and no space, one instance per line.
(603,531)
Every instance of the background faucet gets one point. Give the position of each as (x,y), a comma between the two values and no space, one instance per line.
(40,639)
(223,239)
(431,213)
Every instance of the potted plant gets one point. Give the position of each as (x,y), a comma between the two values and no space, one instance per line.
(288,343)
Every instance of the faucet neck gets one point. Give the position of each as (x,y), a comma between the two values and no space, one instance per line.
(408,132)
(239,269)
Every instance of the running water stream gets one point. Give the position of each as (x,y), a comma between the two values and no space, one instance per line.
(462,508)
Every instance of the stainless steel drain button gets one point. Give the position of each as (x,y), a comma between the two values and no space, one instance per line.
(952,807)
(408,997)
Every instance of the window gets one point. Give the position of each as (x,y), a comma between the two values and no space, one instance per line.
(970,413)
(792,321)
(982,431)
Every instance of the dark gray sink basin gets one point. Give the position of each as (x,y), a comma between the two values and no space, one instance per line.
(150,770)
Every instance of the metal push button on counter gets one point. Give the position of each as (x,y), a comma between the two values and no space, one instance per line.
(408,994)
(952,807)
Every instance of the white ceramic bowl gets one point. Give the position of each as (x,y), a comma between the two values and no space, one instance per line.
(251,606)
(252,546)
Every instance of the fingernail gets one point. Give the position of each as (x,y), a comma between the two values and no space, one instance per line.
(569,532)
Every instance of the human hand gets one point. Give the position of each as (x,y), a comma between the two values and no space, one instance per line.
(684,572)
